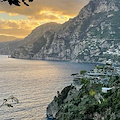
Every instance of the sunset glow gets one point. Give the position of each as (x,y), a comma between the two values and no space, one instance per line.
(20,21)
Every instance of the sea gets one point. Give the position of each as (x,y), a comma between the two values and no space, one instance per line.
(34,83)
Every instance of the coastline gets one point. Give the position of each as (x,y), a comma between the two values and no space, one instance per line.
(94,90)
(58,60)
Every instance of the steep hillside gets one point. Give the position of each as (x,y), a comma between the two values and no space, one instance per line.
(87,103)
(35,41)
(92,36)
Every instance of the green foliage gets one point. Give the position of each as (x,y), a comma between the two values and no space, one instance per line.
(84,105)
(114,81)
(83,71)
(92,92)
(90,109)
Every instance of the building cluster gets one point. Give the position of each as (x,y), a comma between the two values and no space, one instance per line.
(100,74)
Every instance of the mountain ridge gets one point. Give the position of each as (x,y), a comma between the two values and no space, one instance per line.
(89,37)
(4,38)
(8,47)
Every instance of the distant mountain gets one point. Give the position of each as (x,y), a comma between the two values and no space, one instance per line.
(7,48)
(8,44)
(34,41)
(92,36)
(4,38)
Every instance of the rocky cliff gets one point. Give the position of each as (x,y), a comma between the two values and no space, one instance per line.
(87,103)
(92,36)
(35,41)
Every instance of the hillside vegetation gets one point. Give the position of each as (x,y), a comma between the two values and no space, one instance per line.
(89,103)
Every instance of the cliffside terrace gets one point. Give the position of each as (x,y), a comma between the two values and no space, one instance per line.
(100,74)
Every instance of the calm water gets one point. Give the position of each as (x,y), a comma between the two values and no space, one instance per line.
(34,83)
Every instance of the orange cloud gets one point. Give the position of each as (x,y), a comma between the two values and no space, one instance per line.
(39,12)
(43,16)
(60,7)
(13,14)
(19,28)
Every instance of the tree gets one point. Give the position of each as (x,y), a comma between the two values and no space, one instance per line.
(82,72)
(16,2)
(6,101)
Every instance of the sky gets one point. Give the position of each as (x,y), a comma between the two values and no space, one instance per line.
(20,21)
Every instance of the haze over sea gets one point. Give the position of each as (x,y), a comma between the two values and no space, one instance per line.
(34,83)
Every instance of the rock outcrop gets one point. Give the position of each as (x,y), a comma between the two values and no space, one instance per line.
(87,103)
(92,36)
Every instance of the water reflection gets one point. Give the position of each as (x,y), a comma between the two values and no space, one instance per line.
(34,83)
